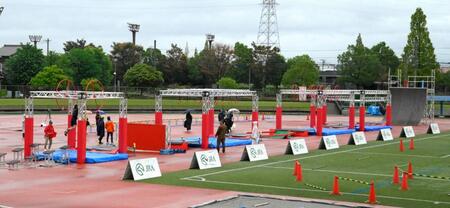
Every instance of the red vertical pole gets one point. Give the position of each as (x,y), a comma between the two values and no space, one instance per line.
(319,124)
(254,117)
(362,115)
(351,117)
(81,141)
(211,122)
(324,113)
(312,116)
(123,131)
(205,135)
(28,140)
(278,117)
(388,115)
(71,135)
(158,118)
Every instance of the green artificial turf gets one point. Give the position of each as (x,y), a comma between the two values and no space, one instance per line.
(374,161)
(150,104)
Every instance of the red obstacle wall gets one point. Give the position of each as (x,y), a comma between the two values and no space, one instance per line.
(147,137)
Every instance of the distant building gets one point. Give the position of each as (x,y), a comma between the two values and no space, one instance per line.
(445,67)
(5,52)
(328,74)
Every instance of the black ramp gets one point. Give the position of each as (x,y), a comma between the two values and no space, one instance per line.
(408,105)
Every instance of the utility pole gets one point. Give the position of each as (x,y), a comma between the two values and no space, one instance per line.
(35,39)
(48,45)
(134,28)
(268,26)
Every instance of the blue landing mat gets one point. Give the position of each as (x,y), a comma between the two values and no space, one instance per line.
(330,131)
(91,157)
(374,128)
(229,142)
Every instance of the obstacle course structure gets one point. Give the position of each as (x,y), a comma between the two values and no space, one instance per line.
(207,96)
(318,107)
(80,98)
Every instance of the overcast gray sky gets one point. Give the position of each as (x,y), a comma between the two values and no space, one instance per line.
(320,28)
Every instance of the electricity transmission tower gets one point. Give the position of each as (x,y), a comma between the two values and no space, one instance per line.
(268,27)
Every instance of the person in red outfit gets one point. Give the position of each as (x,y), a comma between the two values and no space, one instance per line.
(49,134)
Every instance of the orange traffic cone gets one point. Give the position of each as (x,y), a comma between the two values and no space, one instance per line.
(295,168)
(263,116)
(372,196)
(395,178)
(411,144)
(246,117)
(404,182)
(410,170)
(299,173)
(307,117)
(401,146)
(336,186)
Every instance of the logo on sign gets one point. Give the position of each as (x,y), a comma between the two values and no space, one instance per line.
(140,169)
(329,142)
(297,146)
(205,159)
(256,152)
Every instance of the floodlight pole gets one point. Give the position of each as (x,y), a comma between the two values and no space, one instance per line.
(1,10)
(35,39)
(134,28)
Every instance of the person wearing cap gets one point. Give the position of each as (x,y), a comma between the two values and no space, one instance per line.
(49,134)
(220,134)
(100,130)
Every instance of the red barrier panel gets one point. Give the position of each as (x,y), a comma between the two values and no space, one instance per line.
(211,122)
(278,118)
(319,124)
(28,140)
(149,137)
(205,135)
(254,117)
(362,115)
(72,134)
(312,116)
(388,115)
(158,118)
(351,117)
(123,129)
(81,141)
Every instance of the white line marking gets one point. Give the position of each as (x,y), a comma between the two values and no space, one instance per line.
(355,173)
(312,156)
(312,190)
(393,154)
(445,156)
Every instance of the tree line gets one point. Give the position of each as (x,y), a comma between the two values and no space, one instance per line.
(221,65)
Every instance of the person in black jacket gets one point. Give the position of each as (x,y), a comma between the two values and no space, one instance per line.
(100,130)
(188,121)
(73,121)
(229,121)
(221,115)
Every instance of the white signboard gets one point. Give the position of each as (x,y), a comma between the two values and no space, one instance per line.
(408,132)
(205,160)
(142,169)
(329,142)
(255,152)
(357,138)
(434,129)
(296,147)
(385,135)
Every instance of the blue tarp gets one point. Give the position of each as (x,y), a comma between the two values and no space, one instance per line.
(374,128)
(374,110)
(330,131)
(229,142)
(91,157)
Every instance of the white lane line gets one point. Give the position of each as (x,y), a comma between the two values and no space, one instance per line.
(313,190)
(445,156)
(393,154)
(312,156)
(355,173)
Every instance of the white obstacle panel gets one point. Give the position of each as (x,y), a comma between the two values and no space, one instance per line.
(329,142)
(142,169)
(296,147)
(433,129)
(205,160)
(357,138)
(385,135)
(255,152)
(408,132)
